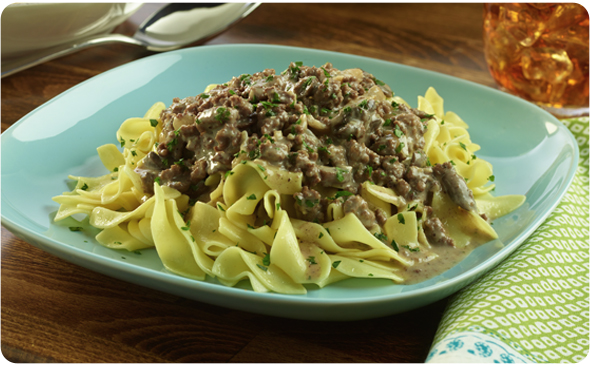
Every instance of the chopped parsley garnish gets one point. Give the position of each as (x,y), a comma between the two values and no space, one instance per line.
(245,78)
(263,268)
(380,236)
(394,245)
(222,115)
(398,132)
(254,154)
(266,260)
(492,178)
(310,203)
(311,260)
(342,193)
(401,219)
(220,207)
(251,197)
(335,264)
(154,122)
(173,142)
(339,175)
(187,227)
(321,235)
(412,249)
(84,187)
(308,81)
(463,146)
(324,149)
(399,147)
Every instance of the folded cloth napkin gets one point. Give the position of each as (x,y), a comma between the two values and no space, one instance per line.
(534,306)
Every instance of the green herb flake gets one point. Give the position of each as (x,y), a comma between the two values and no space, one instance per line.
(251,197)
(311,150)
(263,268)
(321,235)
(220,207)
(154,122)
(74,229)
(411,249)
(395,246)
(222,114)
(380,236)
(401,219)
(266,260)
(492,178)
(311,260)
(399,147)
(335,264)
(311,203)
(339,172)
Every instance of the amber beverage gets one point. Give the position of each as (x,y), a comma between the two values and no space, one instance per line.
(540,53)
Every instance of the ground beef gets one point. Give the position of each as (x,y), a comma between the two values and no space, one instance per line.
(335,127)
(359,207)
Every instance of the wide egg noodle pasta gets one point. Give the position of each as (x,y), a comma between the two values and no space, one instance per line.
(171,241)
(247,230)
(447,139)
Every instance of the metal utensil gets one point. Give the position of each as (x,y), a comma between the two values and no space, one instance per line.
(171,27)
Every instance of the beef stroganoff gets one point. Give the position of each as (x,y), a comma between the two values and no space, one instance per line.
(309,176)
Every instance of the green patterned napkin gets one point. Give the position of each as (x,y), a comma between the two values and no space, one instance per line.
(533,307)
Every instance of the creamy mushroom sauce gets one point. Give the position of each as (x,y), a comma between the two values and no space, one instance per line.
(339,128)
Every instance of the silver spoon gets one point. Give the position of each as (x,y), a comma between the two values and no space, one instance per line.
(171,27)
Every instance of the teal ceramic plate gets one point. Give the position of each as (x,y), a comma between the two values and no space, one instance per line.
(532,154)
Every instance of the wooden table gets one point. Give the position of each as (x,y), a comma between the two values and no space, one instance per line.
(53,311)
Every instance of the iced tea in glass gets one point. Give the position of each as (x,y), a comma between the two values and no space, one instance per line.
(540,53)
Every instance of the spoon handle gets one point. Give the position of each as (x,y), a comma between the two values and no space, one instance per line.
(10,67)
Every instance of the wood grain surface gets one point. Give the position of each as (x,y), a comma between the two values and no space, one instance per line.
(53,311)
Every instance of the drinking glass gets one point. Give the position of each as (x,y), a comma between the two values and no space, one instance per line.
(540,53)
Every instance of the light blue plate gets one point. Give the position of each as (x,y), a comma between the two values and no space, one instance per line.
(532,153)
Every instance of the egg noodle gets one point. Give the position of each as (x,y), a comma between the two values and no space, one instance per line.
(223,237)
